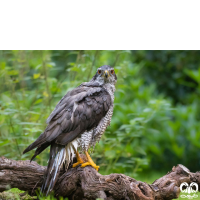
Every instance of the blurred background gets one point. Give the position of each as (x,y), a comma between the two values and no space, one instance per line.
(155,124)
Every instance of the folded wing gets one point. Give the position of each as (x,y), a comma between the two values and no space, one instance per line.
(78,111)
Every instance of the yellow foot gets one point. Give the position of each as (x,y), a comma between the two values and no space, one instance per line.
(79,160)
(91,164)
(78,163)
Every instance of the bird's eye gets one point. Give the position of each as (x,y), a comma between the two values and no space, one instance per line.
(112,71)
(99,71)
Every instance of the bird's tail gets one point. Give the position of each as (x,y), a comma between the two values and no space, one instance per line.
(59,155)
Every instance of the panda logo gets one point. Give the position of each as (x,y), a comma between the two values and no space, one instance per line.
(189,190)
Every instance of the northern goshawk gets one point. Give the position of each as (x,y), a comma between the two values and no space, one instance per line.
(77,122)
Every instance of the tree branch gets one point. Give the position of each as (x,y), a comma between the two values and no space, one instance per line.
(87,183)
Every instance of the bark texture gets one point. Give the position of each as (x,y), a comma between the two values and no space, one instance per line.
(87,184)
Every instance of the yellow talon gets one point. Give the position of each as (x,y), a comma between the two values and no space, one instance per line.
(77,163)
(79,160)
(90,162)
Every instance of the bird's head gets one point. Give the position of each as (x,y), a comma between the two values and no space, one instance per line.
(105,74)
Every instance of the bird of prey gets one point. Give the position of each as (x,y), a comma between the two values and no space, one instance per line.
(77,122)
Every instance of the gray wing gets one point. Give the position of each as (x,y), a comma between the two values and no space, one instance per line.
(78,111)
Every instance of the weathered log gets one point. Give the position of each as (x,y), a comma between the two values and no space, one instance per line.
(86,183)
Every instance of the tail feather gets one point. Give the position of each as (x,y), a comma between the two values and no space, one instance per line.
(59,160)
(59,155)
(51,168)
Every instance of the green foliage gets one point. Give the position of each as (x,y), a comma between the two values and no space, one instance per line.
(156,116)
(14,194)
(169,71)
(50,197)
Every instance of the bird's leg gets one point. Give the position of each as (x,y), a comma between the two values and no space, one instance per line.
(79,159)
(89,162)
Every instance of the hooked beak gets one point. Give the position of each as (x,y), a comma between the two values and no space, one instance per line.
(106,73)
